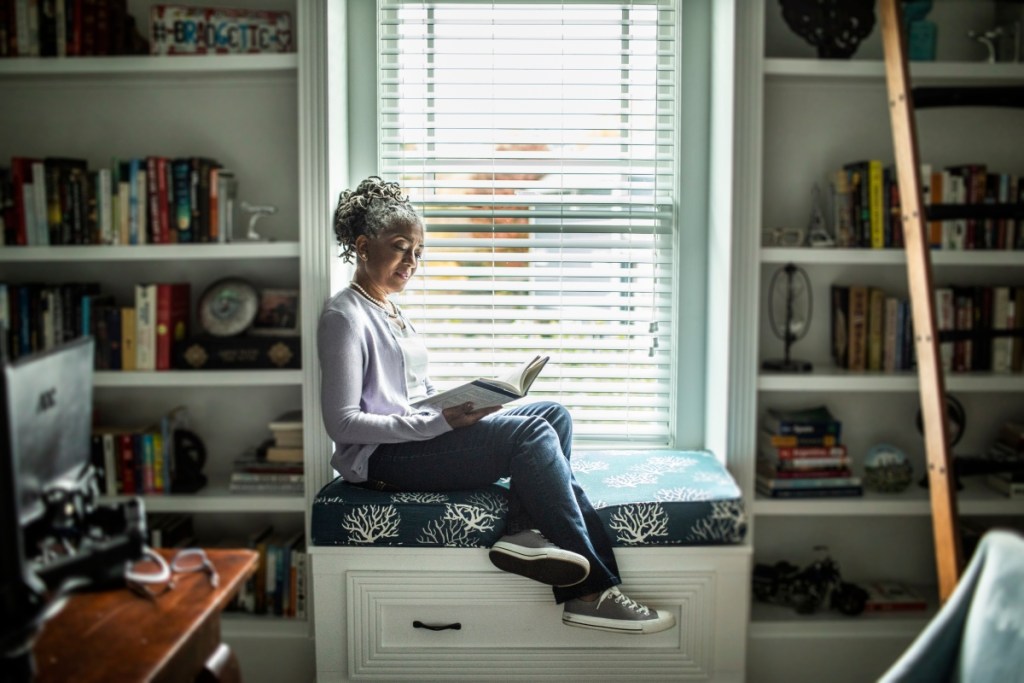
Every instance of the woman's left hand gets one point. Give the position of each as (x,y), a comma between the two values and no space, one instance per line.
(464,415)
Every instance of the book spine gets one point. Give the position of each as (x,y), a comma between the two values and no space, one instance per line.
(145,326)
(858,327)
(172,315)
(181,174)
(840,325)
(876,204)
(875,333)
(129,351)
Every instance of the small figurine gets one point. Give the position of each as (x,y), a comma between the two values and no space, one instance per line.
(258,211)
(817,230)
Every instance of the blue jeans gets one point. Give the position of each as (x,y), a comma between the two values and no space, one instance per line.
(531,444)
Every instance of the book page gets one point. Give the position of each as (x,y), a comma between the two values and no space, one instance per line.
(479,393)
(521,377)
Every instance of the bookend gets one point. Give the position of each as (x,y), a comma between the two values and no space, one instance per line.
(189,460)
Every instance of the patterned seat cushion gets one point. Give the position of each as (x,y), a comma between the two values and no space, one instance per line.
(644,498)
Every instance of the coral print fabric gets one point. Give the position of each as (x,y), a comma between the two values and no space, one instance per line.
(645,498)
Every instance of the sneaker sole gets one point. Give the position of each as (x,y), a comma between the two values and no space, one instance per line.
(632,628)
(544,567)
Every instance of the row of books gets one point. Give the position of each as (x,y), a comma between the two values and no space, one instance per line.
(801,455)
(68,28)
(138,460)
(146,200)
(281,582)
(873,330)
(986,316)
(39,316)
(866,206)
(280,585)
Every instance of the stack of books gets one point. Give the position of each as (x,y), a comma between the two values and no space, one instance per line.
(287,443)
(253,475)
(801,456)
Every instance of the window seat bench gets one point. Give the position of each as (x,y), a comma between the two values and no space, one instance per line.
(403,589)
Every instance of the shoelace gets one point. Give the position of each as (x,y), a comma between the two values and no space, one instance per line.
(628,603)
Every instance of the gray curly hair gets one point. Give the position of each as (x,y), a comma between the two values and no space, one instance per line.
(372,207)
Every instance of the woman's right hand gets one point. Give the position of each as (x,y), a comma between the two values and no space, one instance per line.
(464,415)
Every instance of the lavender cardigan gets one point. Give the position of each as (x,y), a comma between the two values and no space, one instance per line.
(362,385)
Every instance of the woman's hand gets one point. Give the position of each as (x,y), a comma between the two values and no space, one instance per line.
(464,415)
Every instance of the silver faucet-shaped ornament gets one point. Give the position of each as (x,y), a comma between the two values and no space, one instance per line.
(256,211)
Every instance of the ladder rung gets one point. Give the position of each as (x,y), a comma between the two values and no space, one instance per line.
(949,212)
(968,96)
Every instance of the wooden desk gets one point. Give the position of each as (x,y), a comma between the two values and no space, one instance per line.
(119,636)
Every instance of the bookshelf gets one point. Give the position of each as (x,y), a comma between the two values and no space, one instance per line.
(809,117)
(245,112)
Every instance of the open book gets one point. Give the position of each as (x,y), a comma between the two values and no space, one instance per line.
(484,393)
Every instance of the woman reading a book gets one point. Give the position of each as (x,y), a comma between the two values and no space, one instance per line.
(374,366)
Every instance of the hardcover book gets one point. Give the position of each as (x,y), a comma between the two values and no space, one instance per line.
(892,596)
(484,393)
(815,421)
(172,317)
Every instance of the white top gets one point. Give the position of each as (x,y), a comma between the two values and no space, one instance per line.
(414,351)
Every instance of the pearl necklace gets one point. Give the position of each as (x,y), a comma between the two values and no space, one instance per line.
(382,305)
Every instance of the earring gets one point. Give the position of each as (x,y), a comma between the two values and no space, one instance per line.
(363,256)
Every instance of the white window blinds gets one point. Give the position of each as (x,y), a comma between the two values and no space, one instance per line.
(538,141)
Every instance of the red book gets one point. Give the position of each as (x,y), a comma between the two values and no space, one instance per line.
(162,226)
(126,467)
(172,318)
(21,175)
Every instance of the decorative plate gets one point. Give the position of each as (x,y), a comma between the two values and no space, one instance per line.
(228,307)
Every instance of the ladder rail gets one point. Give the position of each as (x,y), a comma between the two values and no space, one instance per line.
(931,383)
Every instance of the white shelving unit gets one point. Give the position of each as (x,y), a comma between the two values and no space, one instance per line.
(243,111)
(815,115)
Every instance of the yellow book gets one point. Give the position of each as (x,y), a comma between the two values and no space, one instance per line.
(128,339)
(876,204)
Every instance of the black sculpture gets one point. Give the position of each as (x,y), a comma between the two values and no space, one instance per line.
(835,27)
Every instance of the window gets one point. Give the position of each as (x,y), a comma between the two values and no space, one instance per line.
(538,140)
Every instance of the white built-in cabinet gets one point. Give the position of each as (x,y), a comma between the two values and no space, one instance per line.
(809,117)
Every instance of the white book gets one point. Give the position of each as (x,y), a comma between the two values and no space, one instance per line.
(226,190)
(28,199)
(485,393)
(145,327)
(41,226)
(1002,318)
(945,319)
(104,206)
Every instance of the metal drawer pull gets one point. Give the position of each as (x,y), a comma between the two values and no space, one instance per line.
(444,627)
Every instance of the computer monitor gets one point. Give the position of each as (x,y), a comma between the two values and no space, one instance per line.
(47,400)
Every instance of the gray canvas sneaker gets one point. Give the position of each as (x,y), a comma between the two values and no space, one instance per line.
(613,611)
(528,553)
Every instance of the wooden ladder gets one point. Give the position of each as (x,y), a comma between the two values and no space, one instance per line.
(941,482)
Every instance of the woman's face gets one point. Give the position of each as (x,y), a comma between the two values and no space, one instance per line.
(391,258)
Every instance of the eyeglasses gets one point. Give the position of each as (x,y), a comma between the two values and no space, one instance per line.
(153,570)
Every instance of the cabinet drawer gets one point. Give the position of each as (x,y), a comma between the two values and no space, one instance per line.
(511,627)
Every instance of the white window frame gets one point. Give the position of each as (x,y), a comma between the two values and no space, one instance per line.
(690,419)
